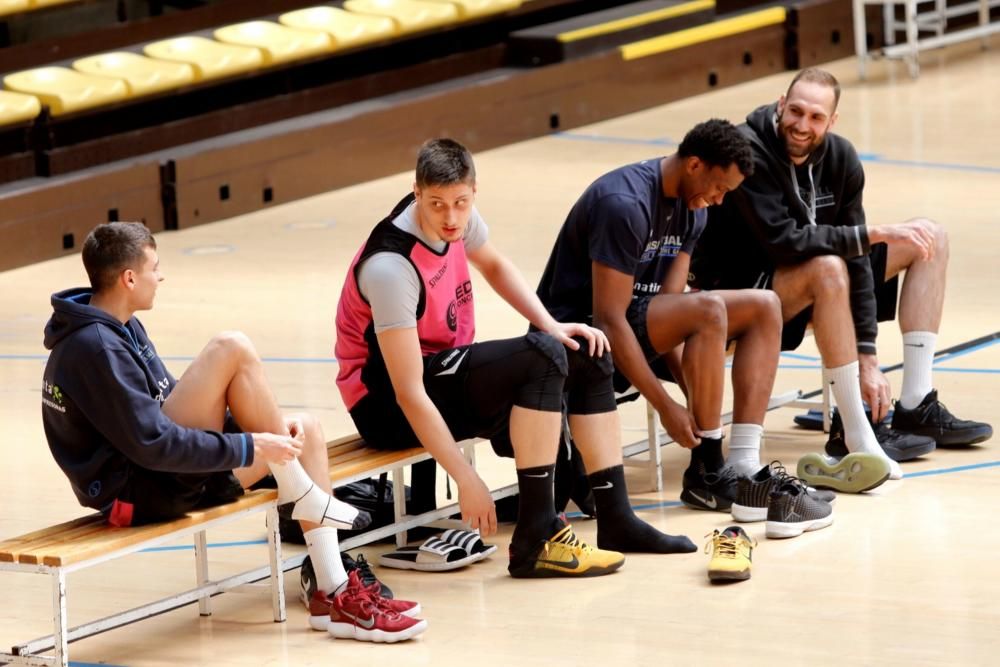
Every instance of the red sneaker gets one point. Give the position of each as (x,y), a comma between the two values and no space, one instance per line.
(321,604)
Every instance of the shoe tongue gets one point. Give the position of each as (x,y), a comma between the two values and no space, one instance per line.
(790,485)
(733,531)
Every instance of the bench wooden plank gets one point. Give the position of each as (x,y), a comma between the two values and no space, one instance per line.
(90,536)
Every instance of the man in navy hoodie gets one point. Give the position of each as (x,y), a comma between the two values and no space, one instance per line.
(141,446)
(797,227)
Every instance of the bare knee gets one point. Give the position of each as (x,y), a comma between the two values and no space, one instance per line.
(828,275)
(233,344)
(940,237)
(767,308)
(711,312)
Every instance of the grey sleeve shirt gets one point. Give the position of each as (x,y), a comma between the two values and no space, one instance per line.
(390,283)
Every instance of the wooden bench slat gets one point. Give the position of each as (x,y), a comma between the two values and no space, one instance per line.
(90,536)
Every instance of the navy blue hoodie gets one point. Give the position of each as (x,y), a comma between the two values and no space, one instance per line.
(101,396)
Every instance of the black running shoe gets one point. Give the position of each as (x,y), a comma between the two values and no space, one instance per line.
(932,419)
(712,491)
(793,511)
(898,445)
(307,577)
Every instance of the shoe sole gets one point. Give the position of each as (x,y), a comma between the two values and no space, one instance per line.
(548,573)
(696,503)
(745,514)
(726,575)
(781,529)
(351,631)
(966,440)
(855,473)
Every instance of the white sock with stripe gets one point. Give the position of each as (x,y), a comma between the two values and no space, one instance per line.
(858,433)
(918,359)
(324,551)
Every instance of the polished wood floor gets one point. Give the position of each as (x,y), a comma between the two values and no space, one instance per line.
(907,575)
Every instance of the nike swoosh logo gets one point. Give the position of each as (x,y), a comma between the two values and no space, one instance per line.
(453,369)
(606,485)
(542,476)
(367,624)
(914,345)
(561,564)
(710,503)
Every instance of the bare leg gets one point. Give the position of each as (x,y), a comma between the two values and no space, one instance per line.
(754,319)
(921,300)
(698,320)
(535,436)
(229,373)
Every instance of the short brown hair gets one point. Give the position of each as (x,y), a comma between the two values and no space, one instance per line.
(820,76)
(113,247)
(444,162)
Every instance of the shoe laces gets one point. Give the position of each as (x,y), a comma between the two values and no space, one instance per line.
(572,542)
(371,603)
(723,475)
(365,573)
(781,476)
(725,546)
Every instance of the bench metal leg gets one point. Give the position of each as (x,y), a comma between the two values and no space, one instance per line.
(59,620)
(277,574)
(201,571)
(399,502)
(655,456)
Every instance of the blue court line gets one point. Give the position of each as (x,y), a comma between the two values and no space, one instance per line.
(945,471)
(73,663)
(802,357)
(865,157)
(217,545)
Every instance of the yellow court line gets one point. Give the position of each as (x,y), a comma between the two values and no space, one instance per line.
(637,20)
(703,33)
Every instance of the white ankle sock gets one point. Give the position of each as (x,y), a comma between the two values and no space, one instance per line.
(311,502)
(918,359)
(744,448)
(858,433)
(714,434)
(324,550)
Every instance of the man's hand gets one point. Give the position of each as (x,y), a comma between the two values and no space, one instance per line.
(275,448)
(875,388)
(680,425)
(915,234)
(476,503)
(295,428)
(597,342)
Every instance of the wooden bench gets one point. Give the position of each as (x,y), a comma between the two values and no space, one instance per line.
(75,545)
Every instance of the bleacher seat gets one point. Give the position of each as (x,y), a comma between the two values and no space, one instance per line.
(408,15)
(210,60)
(64,90)
(17,107)
(279,43)
(144,76)
(346,29)
(703,33)
(13,7)
(37,4)
(470,9)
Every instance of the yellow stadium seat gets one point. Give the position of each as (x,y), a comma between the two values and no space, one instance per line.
(143,76)
(13,6)
(279,43)
(471,9)
(347,29)
(66,91)
(16,107)
(210,60)
(408,15)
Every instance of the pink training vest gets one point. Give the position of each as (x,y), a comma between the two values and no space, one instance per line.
(445,315)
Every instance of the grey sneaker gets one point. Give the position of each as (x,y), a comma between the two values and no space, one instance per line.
(753,494)
(794,511)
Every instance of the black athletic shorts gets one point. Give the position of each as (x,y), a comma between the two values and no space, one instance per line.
(636,316)
(474,388)
(150,496)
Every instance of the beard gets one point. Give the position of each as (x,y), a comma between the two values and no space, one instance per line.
(794,148)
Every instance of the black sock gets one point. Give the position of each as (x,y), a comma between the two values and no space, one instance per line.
(707,457)
(618,528)
(536,514)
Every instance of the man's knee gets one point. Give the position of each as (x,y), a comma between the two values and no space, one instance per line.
(766,307)
(827,273)
(550,351)
(235,343)
(940,235)
(711,311)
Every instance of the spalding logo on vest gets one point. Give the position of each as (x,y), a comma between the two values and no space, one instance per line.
(452,316)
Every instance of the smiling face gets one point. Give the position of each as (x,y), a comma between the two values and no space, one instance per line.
(443,211)
(703,185)
(805,115)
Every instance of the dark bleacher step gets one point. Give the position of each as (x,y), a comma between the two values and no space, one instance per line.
(599,31)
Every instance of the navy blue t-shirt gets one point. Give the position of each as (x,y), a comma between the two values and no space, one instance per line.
(623,221)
